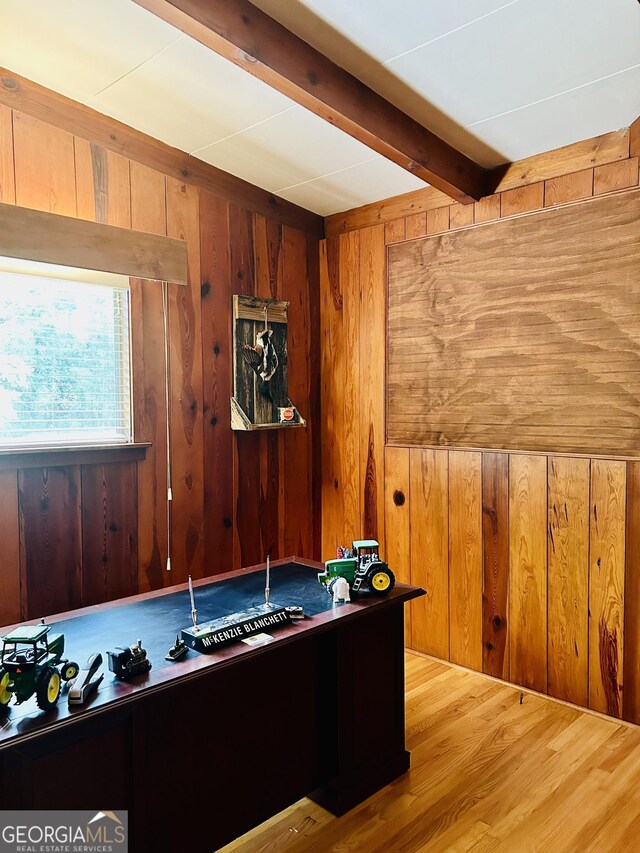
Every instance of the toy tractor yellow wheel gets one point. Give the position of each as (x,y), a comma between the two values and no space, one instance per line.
(5,693)
(69,670)
(48,688)
(381,580)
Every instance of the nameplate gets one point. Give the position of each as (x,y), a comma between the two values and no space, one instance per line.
(210,636)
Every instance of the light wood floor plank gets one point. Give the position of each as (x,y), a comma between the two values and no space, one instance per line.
(489,772)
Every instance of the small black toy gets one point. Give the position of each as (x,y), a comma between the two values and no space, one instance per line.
(129,662)
(178,650)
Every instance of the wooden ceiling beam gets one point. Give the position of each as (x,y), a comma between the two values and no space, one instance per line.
(252,40)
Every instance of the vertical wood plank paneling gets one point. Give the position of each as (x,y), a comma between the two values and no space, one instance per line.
(606,586)
(247,548)
(241,254)
(416,225)
(269,276)
(522,199)
(185,336)
(268,257)
(465,558)
(394,231)
(397,545)
(631,664)
(615,176)
(528,571)
(50,539)
(461,215)
(566,188)
(109,532)
(332,403)
(487,209)
(148,213)
(315,392)
(148,200)
(109,502)
(7,176)
(298,448)
(44,166)
(271,494)
(438,220)
(102,184)
(371,392)
(217,359)
(73,176)
(429,520)
(351,393)
(495,561)
(92,198)
(10,591)
(568,578)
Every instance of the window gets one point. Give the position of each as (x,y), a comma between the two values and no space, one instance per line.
(64,356)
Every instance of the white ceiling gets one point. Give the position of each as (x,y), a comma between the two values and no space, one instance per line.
(500,80)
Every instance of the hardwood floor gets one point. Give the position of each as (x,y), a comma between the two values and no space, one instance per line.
(487,774)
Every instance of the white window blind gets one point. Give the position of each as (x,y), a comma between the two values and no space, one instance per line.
(64,357)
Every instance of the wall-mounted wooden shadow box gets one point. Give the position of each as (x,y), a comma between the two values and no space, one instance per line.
(260,366)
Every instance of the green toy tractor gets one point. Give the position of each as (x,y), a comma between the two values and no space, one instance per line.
(31,662)
(361,567)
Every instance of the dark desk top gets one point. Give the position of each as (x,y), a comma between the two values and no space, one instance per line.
(157,617)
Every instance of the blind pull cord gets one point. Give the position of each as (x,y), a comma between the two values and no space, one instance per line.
(165,320)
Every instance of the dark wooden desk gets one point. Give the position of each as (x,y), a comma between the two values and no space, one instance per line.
(202,750)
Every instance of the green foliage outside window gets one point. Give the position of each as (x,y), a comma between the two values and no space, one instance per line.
(64,362)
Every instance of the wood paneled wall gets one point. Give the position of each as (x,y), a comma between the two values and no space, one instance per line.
(79,534)
(530,575)
(531,562)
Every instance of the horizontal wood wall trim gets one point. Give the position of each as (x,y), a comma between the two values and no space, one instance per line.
(26,96)
(246,36)
(47,457)
(559,453)
(607,148)
(36,235)
(601,150)
(386,210)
